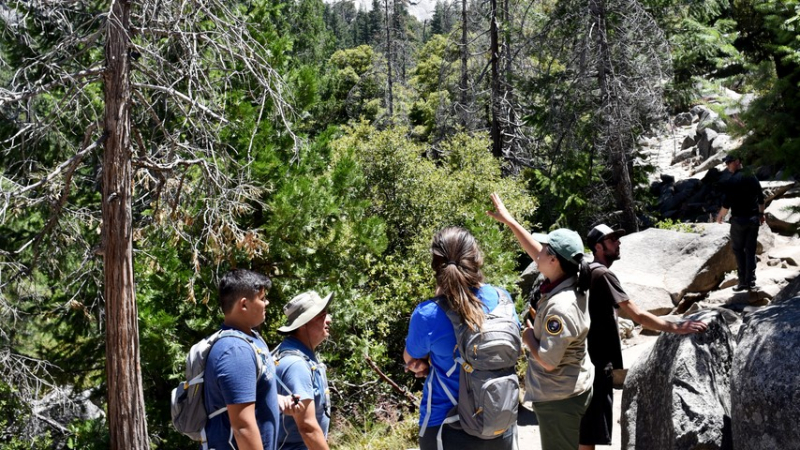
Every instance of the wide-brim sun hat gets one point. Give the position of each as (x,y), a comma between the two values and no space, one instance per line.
(565,242)
(302,308)
(601,232)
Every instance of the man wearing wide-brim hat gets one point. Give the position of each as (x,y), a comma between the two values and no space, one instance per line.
(300,371)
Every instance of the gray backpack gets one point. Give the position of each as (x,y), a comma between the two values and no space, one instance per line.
(488,392)
(187,404)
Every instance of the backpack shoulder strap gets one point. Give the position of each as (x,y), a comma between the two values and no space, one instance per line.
(441,302)
(503,298)
(505,306)
(458,329)
(214,338)
(279,353)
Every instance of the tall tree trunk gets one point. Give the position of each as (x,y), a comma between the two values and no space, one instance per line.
(390,100)
(126,416)
(497,95)
(510,128)
(613,134)
(462,85)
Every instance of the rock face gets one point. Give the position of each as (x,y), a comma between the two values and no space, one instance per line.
(765,385)
(783,215)
(678,397)
(658,267)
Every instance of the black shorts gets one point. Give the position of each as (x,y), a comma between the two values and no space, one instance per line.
(599,418)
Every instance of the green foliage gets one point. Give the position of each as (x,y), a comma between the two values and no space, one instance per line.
(88,435)
(352,87)
(677,225)
(14,417)
(770,35)
(400,181)
(368,434)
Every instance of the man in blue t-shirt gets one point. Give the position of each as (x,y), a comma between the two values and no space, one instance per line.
(231,378)
(307,325)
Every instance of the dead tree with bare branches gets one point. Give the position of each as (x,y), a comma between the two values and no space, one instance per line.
(150,83)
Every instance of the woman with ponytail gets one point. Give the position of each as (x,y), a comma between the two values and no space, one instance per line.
(456,261)
(560,374)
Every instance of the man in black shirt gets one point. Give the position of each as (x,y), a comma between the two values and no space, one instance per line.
(605,349)
(745,199)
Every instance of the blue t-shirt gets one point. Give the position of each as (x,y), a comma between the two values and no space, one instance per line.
(230,379)
(296,373)
(430,333)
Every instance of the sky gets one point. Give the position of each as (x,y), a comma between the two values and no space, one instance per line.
(421,9)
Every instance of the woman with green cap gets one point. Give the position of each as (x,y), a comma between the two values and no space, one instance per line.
(560,374)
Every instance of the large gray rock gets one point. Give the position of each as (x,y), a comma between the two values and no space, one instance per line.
(528,279)
(788,292)
(704,140)
(712,161)
(787,253)
(723,143)
(765,382)
(678,397)
(766,239)
(683,155)
(783,215)
(658,267)
(777,189)
(683,119)
(688,142)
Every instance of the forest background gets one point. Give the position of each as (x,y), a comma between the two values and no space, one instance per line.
(148,147)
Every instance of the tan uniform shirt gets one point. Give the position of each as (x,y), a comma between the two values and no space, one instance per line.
(561,326)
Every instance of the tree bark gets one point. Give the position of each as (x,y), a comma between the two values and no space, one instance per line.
(126,415)
(612,132)
(390,99)
(497,95)
(464,57)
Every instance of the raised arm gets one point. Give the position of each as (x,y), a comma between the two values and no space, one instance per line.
(501,214)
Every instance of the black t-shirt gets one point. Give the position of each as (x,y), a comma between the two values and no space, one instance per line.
(743,194)
(605,294)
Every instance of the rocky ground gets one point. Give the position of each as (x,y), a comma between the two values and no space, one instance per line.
(693,271)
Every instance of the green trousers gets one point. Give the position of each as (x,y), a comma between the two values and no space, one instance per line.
(560,421)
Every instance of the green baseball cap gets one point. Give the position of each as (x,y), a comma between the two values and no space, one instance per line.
(566,243)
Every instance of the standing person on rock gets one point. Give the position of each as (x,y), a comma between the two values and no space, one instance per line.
(559,373)
(605,348)
(745,199)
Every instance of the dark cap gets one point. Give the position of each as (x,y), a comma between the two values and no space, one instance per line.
(601,232)
(729,158)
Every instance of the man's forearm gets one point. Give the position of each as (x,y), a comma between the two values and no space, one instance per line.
(721,214)
(309,427)
(314,439)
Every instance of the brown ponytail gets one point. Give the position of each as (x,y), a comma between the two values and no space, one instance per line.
(456,262)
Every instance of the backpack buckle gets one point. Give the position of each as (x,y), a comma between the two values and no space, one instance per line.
(467,367)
